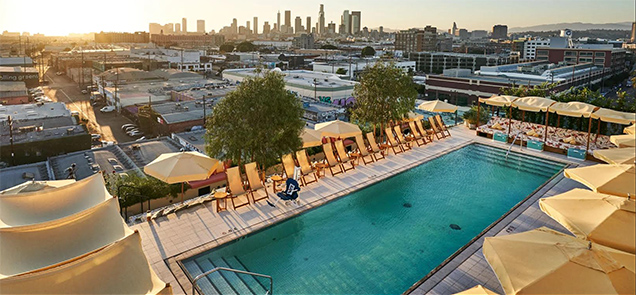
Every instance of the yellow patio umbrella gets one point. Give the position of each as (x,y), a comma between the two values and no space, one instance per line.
(413,116)
(34,186)
(630,129)
(618,180)
(338,128)
(624,140)
(477,290)
(544,261)
(603,219)
(616,156)
(311,137)
(181,167)
(437,106)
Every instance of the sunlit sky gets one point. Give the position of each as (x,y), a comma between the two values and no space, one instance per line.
(61,17)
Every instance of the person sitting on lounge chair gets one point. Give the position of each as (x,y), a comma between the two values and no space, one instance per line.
(290,194)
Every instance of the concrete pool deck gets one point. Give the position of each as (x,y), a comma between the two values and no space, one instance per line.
(168,239)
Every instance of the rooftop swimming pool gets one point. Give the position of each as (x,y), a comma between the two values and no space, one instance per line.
(383,238)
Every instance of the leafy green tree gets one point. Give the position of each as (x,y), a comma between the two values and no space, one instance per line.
(227,47)
(368,51)
(259,121)
(341,71)
(132,185)
(245,46)
(328,46)
(384,94)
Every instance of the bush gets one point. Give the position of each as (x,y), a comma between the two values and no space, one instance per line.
(471,115)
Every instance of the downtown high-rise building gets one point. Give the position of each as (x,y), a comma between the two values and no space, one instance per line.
(633,36)
(278,20)
(234,26)
(266,28)
(201,26)
(184,25)
(255,26)
(247,28)
(308,28)
(321,20)
(355,22)
(345,21)
(177,28)
(288,19)
(298,25)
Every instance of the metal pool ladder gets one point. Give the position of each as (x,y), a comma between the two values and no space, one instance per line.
(271,281)
(513,143)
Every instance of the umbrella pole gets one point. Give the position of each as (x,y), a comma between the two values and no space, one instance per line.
(589,129)
(509,119)
(545,134)
(477,113)
(598,130)
(182,192)
(456,117)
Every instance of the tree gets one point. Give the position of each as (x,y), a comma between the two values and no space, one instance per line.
(341,71)
(132,185)
(368,51)
(245,46)
(259,121)
(328,46)
(385,93)
(227,47)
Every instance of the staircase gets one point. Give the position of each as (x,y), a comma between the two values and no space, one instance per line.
(227,280)
(521,162)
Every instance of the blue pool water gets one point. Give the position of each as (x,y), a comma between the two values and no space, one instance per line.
(383,238)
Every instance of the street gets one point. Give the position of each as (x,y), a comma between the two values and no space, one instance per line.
(63,89)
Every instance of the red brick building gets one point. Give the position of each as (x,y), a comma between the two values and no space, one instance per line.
(613,59)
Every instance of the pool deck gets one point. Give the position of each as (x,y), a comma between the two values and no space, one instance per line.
(168,239)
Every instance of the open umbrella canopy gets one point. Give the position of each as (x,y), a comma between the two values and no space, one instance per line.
(624,140)
(477,290)
(603,219)
(617,180)
(533,103)
(413,116)
(612,116)
(437,106)
(630,129)
(311,137)
(338,128)
(35,186)
(181,167)
(616,156)
(544,261)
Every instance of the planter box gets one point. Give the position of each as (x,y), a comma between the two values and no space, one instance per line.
(535,145)
(500,137)
(576,154)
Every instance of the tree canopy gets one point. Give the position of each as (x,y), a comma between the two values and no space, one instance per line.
(368,51)
(341,71)
(328,46)
(259,121)
(226,47)
(385,93)
(148,187)
(245,46)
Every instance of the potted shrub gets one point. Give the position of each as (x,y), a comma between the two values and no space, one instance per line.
(470,117)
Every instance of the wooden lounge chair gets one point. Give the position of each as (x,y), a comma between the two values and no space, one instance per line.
(343,157)
(392,141)
(403,140)
(374,147)
(419,139)
(331,159)
(428,134)
(255,182)
(305,168)
(442,125)
(436,130)
(288,165)
(235,189)
(363,150)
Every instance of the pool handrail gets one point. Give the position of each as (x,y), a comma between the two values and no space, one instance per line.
(271,281)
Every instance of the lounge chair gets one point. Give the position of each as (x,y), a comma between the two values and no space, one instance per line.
(419,139)
(428,134)
(436,130)
(235,189)
(374,147)
(343,156)
(442,125)
(288,165)
(392,141)
(363,150)
(403,140)
(331,159)
(305,167)
(255,182)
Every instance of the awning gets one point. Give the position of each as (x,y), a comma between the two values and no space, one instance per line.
(630,129)
(437,106)
(52,204)
(212,179)
(120,268)
(44,245)
(498,101)
(573,109)
(533,103)
(612,116)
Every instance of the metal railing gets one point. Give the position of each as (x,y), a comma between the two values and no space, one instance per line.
(513,144)
(271,281)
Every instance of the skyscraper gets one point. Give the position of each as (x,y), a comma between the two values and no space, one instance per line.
(234,27)
(454,29)
(255,25)
(177,28)
(355,22)
(298,25)
(278,20)
(633,38)
(308,28)
(201,26)
(247,27)
(500,32)
(321,20)
(288,18)
(346,21)
(266,28)
(184,25)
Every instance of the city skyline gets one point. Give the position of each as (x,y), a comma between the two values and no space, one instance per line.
(375,14)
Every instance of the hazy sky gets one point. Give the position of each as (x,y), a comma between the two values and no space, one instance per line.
(56,17)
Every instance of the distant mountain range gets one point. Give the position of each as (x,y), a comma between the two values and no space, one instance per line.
(578,26)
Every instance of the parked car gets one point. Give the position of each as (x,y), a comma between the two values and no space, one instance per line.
(135,133)
(123,127)
(108,143)
(75,113)
(107,109)
(131,128)
(84,91)
(96,137)
(59,73)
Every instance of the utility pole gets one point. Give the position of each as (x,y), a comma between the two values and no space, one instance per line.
(204,110)
(82,69)
(116,86)
(10,121)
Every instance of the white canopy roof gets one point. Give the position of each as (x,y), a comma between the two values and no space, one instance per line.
(47,244)
(31,208)
(120,268)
